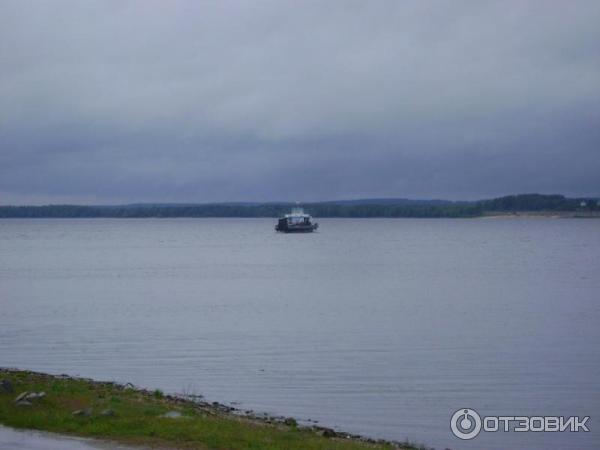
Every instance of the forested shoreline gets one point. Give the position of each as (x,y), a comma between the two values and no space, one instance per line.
(349,208)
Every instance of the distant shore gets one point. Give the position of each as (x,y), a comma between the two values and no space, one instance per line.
(130,415)
(541,215)
(512,205)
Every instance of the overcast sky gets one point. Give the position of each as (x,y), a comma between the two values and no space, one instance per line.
(117,101)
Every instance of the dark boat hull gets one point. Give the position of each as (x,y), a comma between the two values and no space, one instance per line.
(283,227)
(298,230)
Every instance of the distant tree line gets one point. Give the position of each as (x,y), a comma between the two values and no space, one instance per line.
(536,202)
(387,208)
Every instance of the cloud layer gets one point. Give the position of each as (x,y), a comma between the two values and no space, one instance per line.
(107,102)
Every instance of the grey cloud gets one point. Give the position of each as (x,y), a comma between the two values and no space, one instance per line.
(213,101)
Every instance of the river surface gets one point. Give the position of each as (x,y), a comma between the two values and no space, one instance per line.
(374,326)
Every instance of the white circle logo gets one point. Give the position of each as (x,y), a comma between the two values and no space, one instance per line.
(465,423)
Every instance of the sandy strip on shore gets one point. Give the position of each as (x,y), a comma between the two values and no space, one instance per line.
(12,439)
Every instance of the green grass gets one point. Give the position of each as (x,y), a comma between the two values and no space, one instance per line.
(137,418)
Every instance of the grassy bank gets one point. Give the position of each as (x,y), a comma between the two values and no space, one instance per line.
(135,416)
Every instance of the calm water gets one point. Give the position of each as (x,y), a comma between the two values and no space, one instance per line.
(381,327)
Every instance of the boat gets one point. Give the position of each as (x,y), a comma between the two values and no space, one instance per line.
(296,222)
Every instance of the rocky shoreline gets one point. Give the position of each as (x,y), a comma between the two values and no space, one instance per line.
(26,399)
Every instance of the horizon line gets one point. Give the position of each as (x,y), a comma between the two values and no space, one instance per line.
(289,202)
